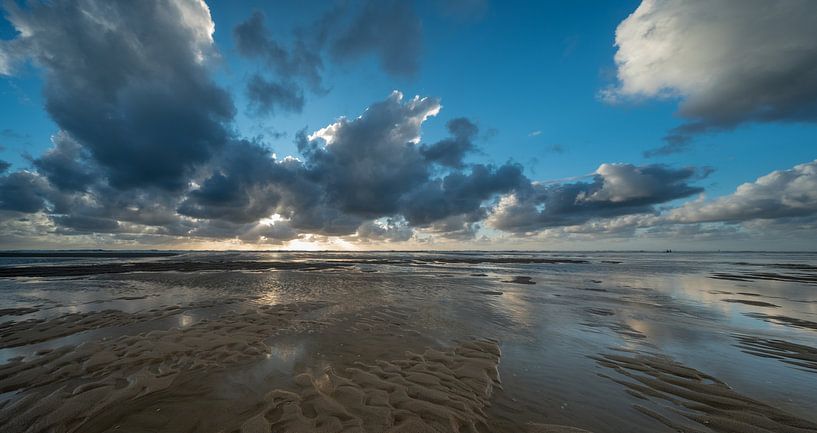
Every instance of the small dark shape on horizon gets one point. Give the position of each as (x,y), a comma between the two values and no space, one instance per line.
(521,279)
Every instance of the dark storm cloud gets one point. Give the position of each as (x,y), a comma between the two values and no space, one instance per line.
(243,188)
(727,68)
(127,80)
(450,152)
(23,191)
(460,193)
(266,96)
(4,166)
(66,165)
(77,224)
(616,189)
(370,162)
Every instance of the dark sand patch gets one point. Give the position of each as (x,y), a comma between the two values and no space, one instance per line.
(600,311)
(590,289)
(767,276)
(87,254)
(750,302)
(506,260)
(521,279)
(552,428)
(168,266)
(17,311)
(784,320)
(675,389)
(479,275)
(790,353)
(490,292)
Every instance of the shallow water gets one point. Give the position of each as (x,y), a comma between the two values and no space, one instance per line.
(748,320)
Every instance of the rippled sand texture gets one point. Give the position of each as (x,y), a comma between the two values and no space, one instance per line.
(430,392)
(400,342)
(74,385)
(697,396)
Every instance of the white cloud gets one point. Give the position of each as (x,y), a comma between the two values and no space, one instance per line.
(729,61)
(779,194)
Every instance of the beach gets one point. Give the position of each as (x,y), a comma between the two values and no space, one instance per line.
(408,342)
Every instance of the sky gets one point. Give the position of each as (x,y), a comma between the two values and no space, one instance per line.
(404,125)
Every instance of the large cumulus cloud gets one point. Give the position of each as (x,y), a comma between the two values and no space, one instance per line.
(127,80)
(355,171)
(728,61)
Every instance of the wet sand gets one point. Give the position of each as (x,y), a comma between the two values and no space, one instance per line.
(381,343)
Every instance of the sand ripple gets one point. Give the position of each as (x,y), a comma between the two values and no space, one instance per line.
(430,392)
(696,396)
(67,387)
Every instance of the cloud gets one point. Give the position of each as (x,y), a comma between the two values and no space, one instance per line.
(675,144)
(291,66)
(23,191)
(128,81)
(616,189)
(386,230)
(4,165)
(535,133)
(302,60)
(728,61)
(389,29)
(369,162)
(354,171)
(66,165)
(556,148)
(266,96)
(780,194)
(450,152)
(461,193)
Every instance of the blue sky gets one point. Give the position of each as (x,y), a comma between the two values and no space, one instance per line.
(529,75)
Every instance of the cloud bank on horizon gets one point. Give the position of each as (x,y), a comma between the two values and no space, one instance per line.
(147,152)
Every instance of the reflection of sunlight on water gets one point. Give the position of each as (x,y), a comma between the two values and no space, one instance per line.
(514,305)
(185,320)
(270,297)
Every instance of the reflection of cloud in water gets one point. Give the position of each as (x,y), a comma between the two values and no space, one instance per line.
(285,352)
